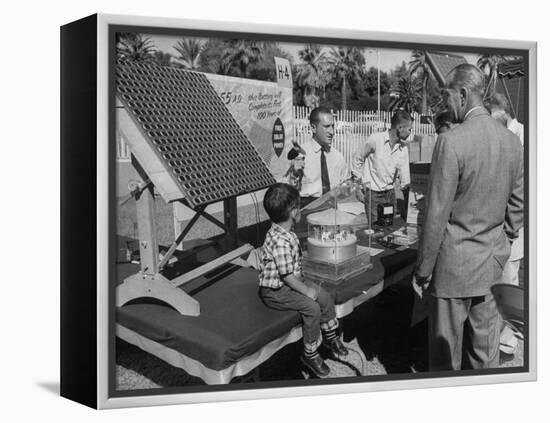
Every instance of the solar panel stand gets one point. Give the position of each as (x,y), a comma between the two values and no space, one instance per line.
(187,144)
(148,282)
(230,217)
(230,226)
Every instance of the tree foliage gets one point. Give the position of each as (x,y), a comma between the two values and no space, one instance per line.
(346,65)
(313,74)
(209,60)
(264,69)
(162,59)
(239,55)
(419,68)
(407,94)
(135,48)
(370,82)
(189,50)
(337,78)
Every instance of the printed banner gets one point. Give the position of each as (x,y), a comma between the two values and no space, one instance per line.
(264,112)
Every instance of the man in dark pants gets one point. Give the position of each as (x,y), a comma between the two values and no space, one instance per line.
(380,160)
(474,211)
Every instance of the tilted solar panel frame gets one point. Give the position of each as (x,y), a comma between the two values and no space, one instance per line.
(186,124)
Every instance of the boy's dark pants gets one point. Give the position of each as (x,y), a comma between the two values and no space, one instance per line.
(316,315)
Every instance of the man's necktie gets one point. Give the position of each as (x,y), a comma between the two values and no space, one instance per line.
(325,181)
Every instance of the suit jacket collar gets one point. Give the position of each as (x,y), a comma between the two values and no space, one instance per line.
(476,111)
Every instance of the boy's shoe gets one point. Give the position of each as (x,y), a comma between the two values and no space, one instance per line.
(335,347)
(316,365)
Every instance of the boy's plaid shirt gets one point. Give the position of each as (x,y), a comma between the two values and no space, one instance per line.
(281,255)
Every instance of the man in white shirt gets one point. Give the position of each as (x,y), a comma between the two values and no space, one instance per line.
(381,160)
(323,166)
(499,107)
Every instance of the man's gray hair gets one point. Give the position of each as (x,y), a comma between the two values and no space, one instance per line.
(467,75)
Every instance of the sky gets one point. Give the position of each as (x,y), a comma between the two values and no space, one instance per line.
(389,58)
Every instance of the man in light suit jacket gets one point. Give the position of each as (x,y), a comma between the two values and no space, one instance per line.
(474,211)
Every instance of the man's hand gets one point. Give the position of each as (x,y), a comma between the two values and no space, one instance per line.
(420,285)
(360,191)
(298,164)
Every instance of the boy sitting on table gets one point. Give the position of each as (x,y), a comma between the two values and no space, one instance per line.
(282,286)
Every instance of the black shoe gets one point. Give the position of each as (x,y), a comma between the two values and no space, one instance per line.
(316,365)
(335,347)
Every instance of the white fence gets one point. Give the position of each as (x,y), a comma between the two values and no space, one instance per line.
(352,127)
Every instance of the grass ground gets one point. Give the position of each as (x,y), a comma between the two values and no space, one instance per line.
(203,229)
(378,332)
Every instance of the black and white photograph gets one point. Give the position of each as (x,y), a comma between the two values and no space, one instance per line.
(311,210)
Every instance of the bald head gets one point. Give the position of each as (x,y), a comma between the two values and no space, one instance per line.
(468,76)
(464,88)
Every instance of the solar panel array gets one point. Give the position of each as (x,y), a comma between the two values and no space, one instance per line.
(185,122)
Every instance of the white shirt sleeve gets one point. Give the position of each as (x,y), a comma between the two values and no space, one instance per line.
(358,159)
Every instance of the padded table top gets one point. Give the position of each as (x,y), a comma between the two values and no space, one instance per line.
(234,322)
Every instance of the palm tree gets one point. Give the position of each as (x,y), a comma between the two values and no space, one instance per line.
(162,59)
(418,66)
(312,75)
(135,48)
(190,50)
(210,58)
(347,64)
(406,94)
(264,69)
(489,63)
(240,54)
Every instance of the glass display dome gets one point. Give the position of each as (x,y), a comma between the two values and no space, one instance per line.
(331,235)
(335,235)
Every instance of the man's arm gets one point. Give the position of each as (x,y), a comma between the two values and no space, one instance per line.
(442,188)
(358,159)
(405,169)
(296,283)
(344,169)
(283,256)
(514,210)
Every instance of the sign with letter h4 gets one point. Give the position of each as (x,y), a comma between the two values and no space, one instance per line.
(283,71)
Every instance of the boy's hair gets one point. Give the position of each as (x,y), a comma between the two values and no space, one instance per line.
(279,200)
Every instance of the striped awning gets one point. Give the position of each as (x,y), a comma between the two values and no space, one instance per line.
(512,69)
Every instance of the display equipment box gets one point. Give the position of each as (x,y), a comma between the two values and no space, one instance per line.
(320,271)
